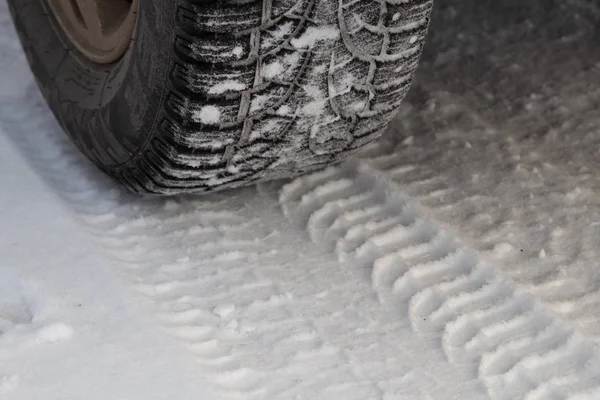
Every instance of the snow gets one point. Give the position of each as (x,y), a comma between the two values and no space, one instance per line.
(224,310)
(456,258)
(209,115)
(237,51)
(227,86)
(76,332)
(272,69)
(276,36)
(284,110)
(258,102)
(283,69)
(314,34)
(316,104)
(54,333)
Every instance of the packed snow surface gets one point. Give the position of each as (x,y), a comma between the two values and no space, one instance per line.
(456,258)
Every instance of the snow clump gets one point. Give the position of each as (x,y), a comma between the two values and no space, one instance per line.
(312,35)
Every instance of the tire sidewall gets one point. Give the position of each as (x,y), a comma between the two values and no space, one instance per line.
(109,111)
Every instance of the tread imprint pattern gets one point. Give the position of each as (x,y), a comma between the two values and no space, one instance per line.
(214,277)
(518,347)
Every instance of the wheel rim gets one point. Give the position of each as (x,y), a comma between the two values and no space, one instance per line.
(100,29)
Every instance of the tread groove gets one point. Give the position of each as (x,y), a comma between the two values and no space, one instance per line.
(251,72)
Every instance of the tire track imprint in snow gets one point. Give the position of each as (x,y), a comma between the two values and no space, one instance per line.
(170,251)
(203,288)
(190,260)
(520,349)
(214,277)
(194,260)
(537,209)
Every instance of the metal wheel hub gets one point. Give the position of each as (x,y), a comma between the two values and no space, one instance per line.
(100,29)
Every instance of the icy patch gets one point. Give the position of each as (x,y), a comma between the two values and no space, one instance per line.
(312,35)
(209,115)
(227,86)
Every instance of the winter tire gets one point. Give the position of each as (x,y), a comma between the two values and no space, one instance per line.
(214,94)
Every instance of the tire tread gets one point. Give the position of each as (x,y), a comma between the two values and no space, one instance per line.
(264,131)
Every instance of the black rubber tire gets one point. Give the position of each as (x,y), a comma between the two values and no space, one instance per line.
(215,94)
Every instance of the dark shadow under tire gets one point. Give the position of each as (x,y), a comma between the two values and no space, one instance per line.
(218,94)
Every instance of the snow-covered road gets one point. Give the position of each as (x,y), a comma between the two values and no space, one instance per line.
(457,258)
